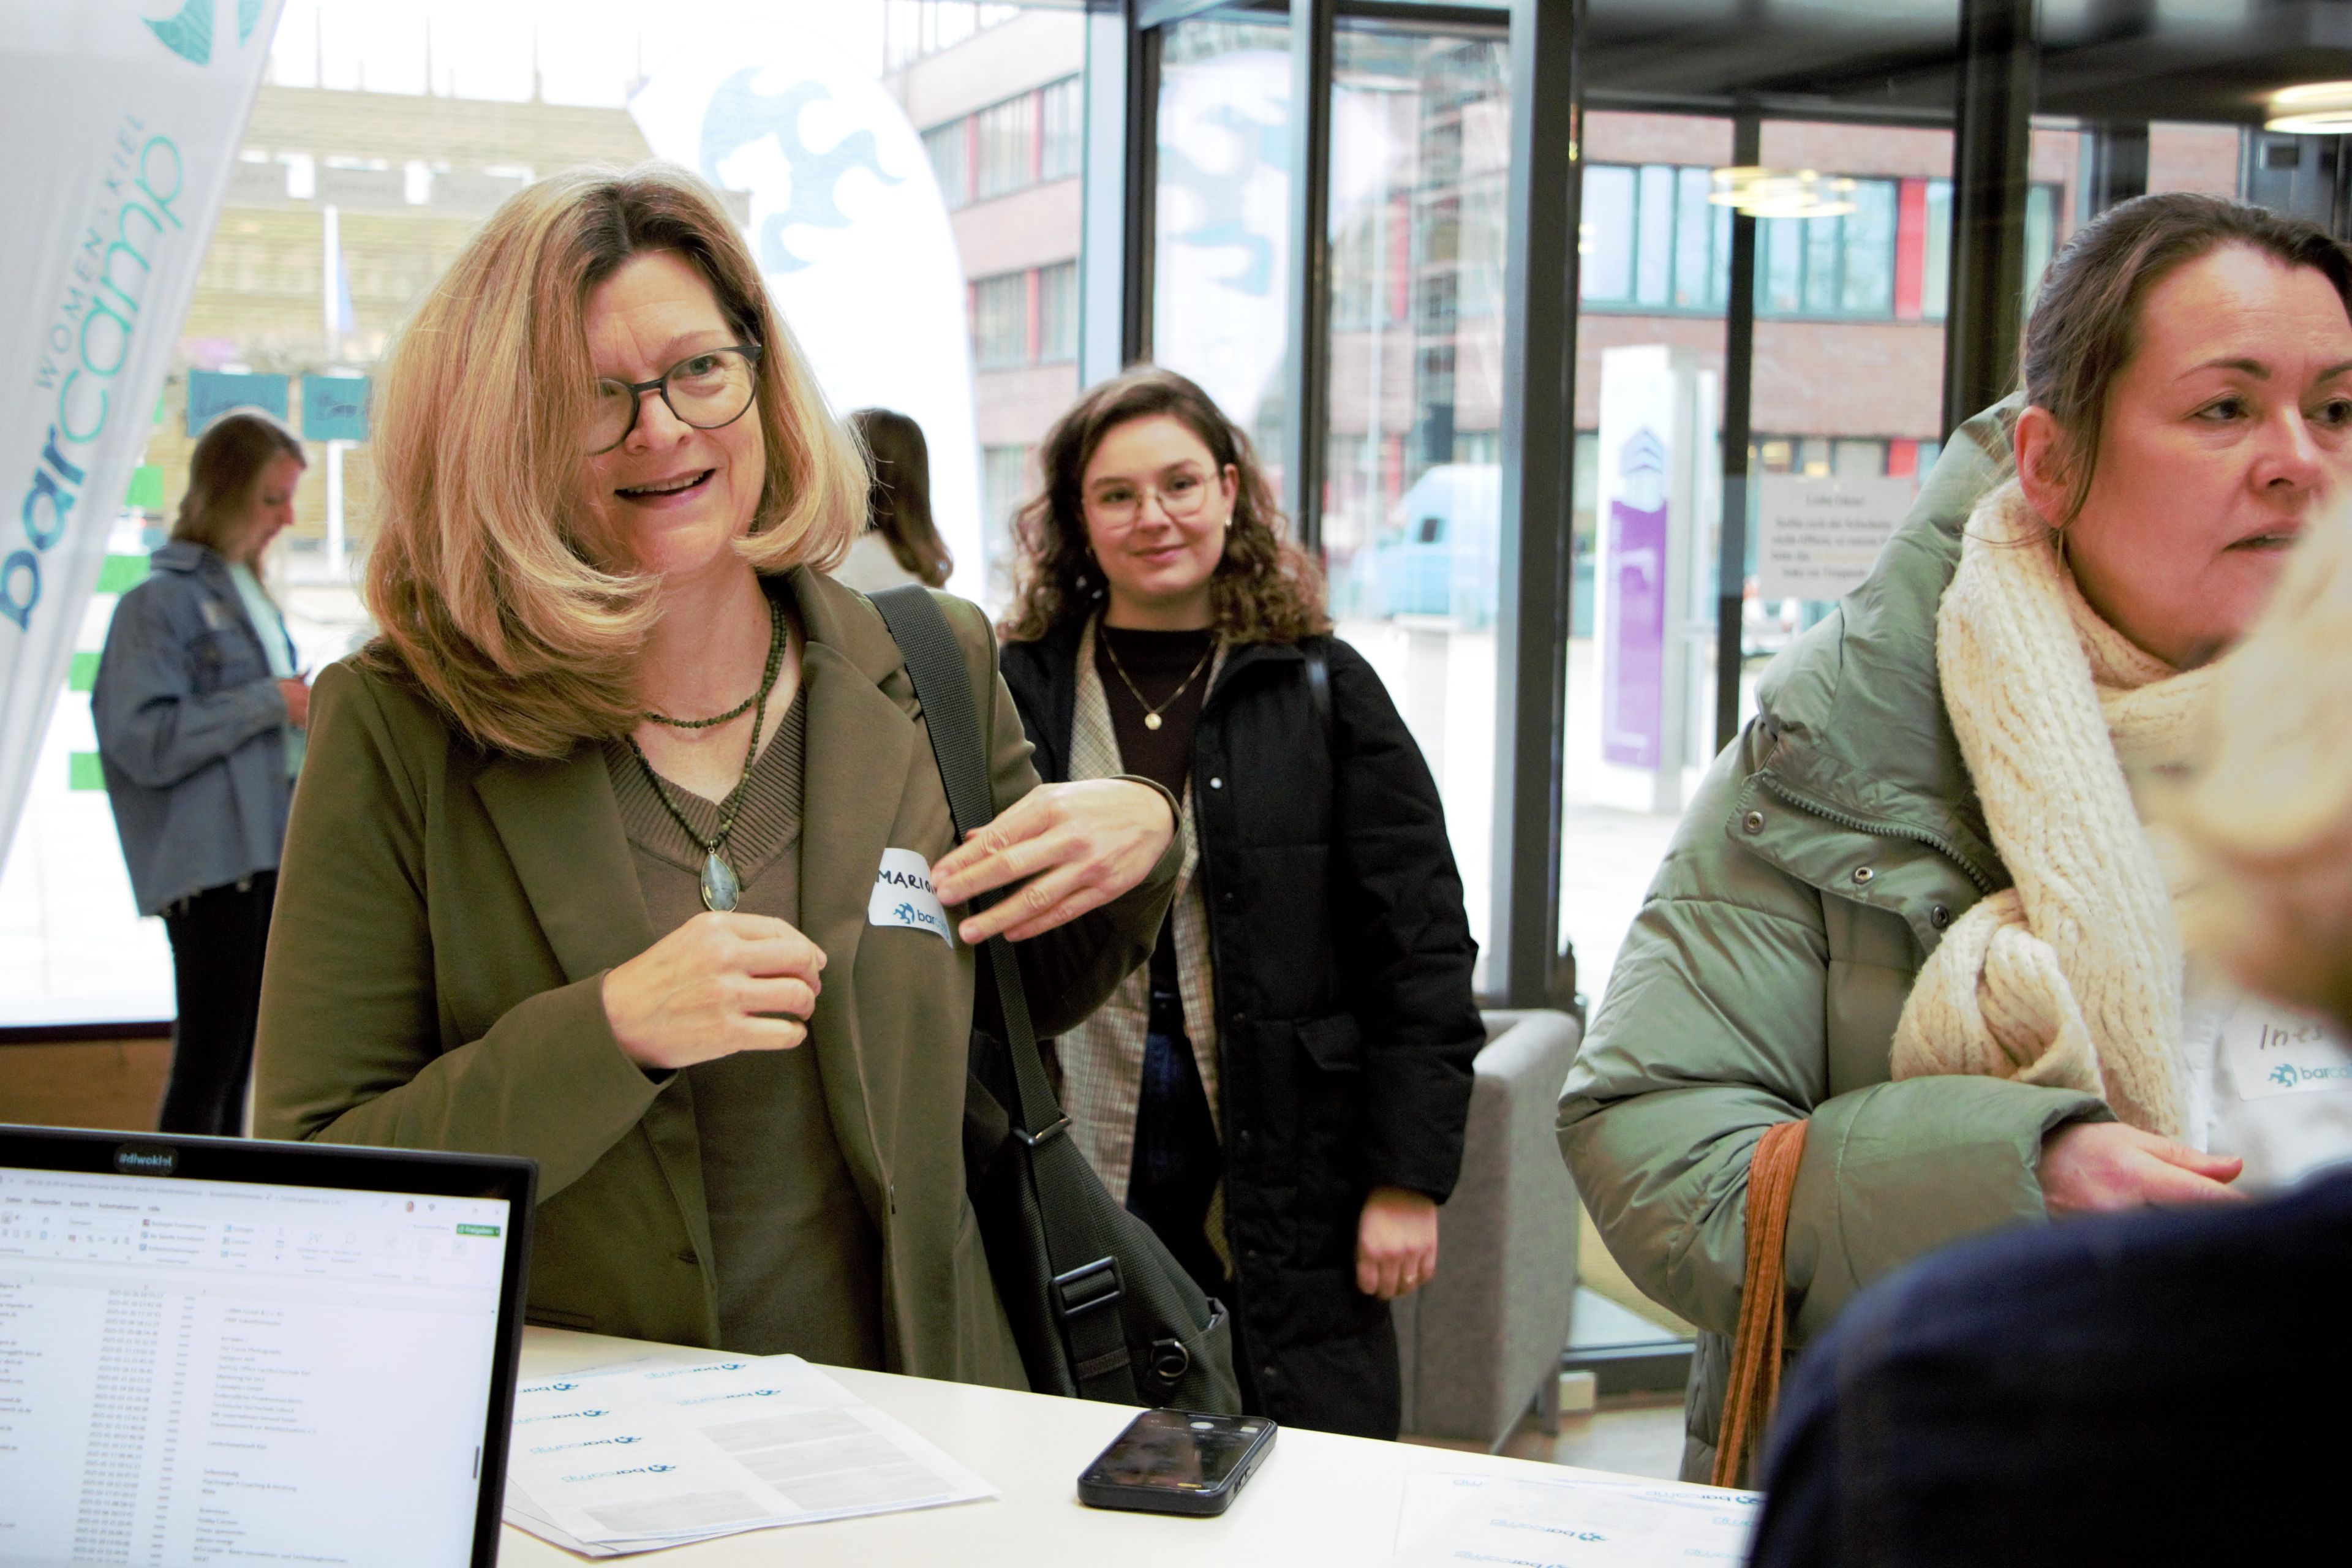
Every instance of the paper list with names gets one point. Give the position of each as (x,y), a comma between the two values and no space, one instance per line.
(1449,1520)
(650,1453)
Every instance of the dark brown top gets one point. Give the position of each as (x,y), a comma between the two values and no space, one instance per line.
(798,1260)
(1156,662)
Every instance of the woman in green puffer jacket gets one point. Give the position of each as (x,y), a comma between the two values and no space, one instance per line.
(2188,400)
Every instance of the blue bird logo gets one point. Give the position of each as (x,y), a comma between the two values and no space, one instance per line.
(188,33)
(741,116)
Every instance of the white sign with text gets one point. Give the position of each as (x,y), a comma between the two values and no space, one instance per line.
(1818,535)
(122,126)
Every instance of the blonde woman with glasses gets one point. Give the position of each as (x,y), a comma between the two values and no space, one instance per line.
(583,862)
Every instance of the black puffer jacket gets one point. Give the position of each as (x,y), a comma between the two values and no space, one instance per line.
(1342,961)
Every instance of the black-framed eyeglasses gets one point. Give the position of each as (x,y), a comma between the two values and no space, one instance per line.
(707,390)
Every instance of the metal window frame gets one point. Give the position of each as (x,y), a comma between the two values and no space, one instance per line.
(1736,436)
(1992,137)
(1118,194)
(1314,27)
(1528,966)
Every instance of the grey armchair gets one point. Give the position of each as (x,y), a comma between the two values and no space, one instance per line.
(1482,1341)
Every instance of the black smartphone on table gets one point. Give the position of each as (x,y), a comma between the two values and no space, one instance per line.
(1176,1461)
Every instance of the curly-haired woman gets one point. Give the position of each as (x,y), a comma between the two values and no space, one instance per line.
(1281,1092)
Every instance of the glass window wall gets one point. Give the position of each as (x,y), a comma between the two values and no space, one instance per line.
(1057,313)
(1004,140)
(1062,109)
(999,320)
(380,140)
(950,147)
(1412,486)
(1221,248)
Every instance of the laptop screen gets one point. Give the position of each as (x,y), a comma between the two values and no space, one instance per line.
(197,1370)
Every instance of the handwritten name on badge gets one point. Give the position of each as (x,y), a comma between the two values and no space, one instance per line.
(2271,1051)
(902,896)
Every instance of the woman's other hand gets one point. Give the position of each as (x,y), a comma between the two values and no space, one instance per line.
(717,985)
(1075,846)
(1396,1243)
(297,694)
(2095,1167)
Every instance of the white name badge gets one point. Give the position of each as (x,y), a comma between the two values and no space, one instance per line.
(2270,1050)
(902,896)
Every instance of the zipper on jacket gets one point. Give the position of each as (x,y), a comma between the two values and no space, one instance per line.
(1941,844)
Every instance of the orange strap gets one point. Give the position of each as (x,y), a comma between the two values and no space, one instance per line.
(1755,1349)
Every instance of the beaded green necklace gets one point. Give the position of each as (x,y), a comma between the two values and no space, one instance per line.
(721,888)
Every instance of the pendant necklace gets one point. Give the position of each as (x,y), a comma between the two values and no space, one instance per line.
(721,888)
(1150,714)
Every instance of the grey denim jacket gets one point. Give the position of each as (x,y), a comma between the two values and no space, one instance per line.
(191,732)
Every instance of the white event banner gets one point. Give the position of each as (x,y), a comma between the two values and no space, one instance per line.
(851,233)
(1818,535)
(123,123)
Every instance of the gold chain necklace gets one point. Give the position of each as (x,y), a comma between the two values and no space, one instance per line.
(1151,714)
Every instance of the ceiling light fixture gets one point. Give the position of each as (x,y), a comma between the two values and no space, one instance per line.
(1782,192)
(2314,109)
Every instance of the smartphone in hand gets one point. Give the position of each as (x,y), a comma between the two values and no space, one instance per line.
(1176,1461)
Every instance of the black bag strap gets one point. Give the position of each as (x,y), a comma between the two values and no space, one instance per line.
(1086,1285)
(942,685)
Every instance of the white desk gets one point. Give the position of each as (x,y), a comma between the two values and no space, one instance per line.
(1318,1498)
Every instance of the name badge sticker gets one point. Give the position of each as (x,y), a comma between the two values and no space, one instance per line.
(2270,1050)
(902,896)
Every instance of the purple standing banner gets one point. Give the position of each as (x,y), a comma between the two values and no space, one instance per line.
(1633,627)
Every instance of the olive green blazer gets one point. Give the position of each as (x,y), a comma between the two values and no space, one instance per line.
(446,916)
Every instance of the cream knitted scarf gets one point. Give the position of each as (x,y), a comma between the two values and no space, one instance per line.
(2072,976)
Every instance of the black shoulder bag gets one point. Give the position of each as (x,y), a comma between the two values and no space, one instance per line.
(1099,1306)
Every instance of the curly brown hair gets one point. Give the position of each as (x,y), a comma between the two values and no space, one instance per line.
(1266,589)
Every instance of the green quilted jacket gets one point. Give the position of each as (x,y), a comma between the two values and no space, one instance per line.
(1831,847)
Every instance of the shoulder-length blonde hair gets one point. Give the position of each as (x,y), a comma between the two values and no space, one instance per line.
(494,589)
(1265,589)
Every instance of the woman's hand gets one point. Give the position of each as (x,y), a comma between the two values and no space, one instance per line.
(717,985)
(2093,1167)
(1077,846)
(297,694)
(1396,1243)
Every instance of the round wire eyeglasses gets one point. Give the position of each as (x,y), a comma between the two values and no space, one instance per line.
(707,390)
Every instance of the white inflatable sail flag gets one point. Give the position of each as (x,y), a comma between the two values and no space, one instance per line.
(121,132)
(849,229)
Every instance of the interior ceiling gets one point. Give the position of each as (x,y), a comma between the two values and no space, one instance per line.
(2100,59)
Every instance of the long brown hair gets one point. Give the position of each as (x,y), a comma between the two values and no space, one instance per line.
(2085,324)
(224,474)
(497,592)
(1265,589)
(898,504)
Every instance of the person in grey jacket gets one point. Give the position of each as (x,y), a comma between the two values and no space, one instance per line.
(199,708)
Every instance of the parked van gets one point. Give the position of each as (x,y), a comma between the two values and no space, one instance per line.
(1439,554)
